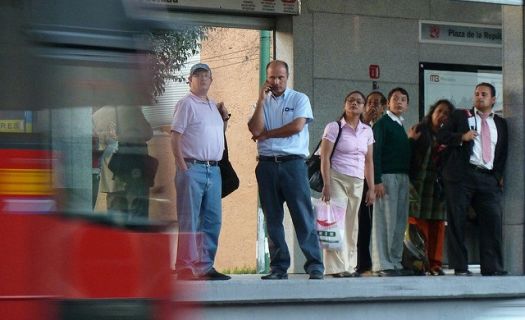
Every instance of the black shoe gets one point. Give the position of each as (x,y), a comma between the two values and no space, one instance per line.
(275,276)
(352,275)
(464,273)
(339,274)
(405,272)
(213,275)
(495,273)
(387,273)
(316,275)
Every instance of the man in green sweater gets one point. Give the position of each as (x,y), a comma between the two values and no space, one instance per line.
(391,164)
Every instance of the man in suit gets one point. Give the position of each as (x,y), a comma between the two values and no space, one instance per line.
(476,141)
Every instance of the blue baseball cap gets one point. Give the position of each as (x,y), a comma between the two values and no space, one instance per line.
(199,66)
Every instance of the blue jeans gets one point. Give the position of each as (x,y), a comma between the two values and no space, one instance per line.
(199,216)
(281,182)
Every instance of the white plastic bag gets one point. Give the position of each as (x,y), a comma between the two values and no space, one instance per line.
(330,222)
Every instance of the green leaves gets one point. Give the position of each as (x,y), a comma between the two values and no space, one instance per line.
(171,51)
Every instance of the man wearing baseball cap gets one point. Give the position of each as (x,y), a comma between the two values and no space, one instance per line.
(197,139)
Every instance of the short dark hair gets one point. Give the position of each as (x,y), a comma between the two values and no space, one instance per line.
(383,99)
(278,62)
(398,89)
(488,85)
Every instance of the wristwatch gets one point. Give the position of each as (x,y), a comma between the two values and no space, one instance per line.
(228,117)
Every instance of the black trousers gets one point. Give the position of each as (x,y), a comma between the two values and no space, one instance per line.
(364,261)
(481,191)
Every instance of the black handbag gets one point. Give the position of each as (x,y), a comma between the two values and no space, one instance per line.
(133,166)
(230,180)
(314,165)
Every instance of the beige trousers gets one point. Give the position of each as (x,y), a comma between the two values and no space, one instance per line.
(351,189)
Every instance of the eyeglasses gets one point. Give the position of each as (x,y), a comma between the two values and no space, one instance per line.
(358,101)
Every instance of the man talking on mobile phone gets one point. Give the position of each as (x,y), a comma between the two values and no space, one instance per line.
(280,127)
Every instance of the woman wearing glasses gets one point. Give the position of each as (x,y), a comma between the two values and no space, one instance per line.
(344,172)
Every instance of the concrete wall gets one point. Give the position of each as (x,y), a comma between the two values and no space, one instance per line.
(336,41)
(513,99)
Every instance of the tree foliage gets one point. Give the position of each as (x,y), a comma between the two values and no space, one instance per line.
(171,50)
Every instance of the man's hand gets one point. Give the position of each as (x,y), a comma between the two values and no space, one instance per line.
(380,190)
(469,135)
(263,136)
(223,111)
(266,88)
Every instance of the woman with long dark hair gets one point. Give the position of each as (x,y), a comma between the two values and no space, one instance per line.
(427,208)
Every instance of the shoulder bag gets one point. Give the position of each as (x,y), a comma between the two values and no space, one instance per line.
(230,180)
(314,165)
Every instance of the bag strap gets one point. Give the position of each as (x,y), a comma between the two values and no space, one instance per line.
(335,142)
(336,139)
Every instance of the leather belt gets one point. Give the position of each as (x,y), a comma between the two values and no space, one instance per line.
(280,158)
(206,162)
(480,169)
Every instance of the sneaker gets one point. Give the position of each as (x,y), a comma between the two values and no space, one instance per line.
(437,271)
(464,273)
(387,273)
(213,275)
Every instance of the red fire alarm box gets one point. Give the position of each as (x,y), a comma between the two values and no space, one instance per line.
(373,71)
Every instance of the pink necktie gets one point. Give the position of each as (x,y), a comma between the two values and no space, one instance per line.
(485,138)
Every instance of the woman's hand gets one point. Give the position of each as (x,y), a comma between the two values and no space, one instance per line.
(414,133)
(370,197)
(325,193)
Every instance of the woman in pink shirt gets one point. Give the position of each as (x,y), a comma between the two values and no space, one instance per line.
(344,174)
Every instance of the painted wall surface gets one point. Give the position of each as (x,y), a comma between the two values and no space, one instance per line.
(233,55)
(336,41)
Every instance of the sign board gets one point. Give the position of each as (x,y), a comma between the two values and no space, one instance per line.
(292,7)
(460,34)
(10,125)
(456,83)
(509,2)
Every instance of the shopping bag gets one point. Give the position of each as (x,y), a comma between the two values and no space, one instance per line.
(414,252)
(330,221)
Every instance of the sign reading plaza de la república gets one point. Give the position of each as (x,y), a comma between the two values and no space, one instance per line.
(460,34)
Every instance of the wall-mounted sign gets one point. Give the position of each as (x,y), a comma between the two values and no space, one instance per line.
(373,71)
(511,2)
(460,33)
(245,6)
(456,82)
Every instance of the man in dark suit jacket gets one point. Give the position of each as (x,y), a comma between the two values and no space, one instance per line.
(476,141)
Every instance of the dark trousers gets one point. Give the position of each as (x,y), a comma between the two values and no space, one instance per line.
(481,191)
(281,182)
(364,261)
